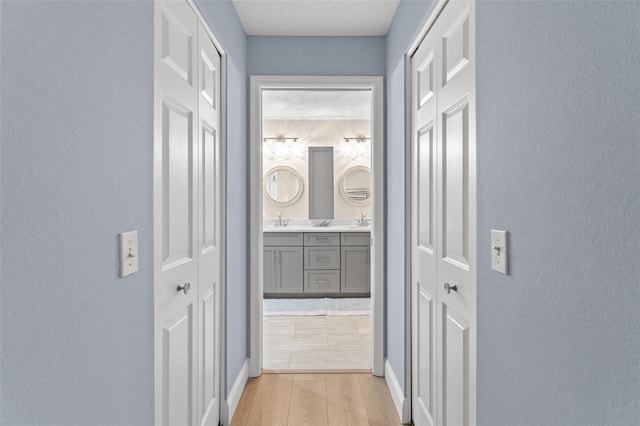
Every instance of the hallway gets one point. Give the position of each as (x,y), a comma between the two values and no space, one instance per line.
(316,399)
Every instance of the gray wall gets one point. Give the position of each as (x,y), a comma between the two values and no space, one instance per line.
(224,22)
(558,136)
(77,149)
(558,161)
(315,55)
(410,16)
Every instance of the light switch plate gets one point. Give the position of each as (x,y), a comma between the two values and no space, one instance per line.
(499,251)
(128,253)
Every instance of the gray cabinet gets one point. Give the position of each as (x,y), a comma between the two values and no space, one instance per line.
(282,267)
(289,270)
(355,272)
(316,263)
(269,269)
(320,182)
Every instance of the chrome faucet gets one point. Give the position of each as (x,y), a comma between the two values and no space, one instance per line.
(362,221)
(280,221)
(326,222)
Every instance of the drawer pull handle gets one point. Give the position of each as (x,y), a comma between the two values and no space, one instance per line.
(323,259)
(322,281)
(322,238)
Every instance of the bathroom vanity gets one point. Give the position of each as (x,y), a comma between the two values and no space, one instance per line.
(317,262)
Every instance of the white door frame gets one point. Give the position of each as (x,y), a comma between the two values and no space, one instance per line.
(375,84)
(413,47)
(221,324)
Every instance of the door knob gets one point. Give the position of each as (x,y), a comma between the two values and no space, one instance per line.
(184,288)
(448,287)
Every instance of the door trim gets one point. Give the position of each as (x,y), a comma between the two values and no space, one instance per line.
(376,85)
(221,324)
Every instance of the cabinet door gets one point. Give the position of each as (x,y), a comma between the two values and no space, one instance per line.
(269,269)
(290,270)
(355,270)
(320,182)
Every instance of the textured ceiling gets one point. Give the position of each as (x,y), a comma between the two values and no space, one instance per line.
(316,105)
(316,17)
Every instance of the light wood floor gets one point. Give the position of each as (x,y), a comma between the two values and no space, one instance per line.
(316,399)
(312,343)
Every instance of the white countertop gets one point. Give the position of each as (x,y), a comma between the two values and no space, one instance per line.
(306,225)
(337,228)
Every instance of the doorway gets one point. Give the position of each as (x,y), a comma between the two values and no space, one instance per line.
(304,240)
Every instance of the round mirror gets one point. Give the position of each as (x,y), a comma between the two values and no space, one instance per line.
(283,185)
(356,185)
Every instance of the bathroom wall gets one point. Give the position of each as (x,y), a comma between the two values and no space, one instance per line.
(317,133)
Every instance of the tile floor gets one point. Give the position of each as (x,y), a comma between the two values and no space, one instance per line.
(317,343)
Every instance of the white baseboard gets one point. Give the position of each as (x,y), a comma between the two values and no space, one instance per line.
(401,403)
(230,405)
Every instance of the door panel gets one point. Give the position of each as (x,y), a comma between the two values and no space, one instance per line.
(208,391)
(424,71)
(290,269)
(455,47)
(178,368)
(455,184)
(456,216)
(425,187)
(187,219)
(177,141)
(455,348)
(355,272)
(269,269)
(209,167)
(443,220)
(178,25)
(426,384)
(210,223)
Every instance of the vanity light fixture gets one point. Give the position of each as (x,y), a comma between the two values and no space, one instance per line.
(359,139)
(281,138)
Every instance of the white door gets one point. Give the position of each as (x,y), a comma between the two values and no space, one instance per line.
(186,219)
(445,123)
(209,250)
(423,231)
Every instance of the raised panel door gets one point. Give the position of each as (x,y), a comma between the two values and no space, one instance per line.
(269,258)
(210,219)
(355,270)
(290,276)
(456,215)
(176,215)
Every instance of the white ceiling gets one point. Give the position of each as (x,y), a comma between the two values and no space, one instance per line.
(316,105)
(316,17)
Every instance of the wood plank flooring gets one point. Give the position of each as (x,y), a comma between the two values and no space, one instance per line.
(316,399)
(311,343)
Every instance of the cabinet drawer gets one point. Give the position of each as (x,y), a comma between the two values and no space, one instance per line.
(282,238)
(321,281)
(322,258)
(322,239)
(356,238)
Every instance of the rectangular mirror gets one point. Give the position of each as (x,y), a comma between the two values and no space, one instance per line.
(320,182)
